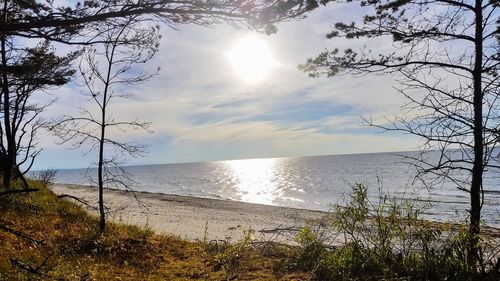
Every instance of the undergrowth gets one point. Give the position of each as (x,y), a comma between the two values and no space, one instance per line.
(389,241)
(57,240)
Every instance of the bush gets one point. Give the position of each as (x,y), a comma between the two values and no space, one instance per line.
(388,240)
(47,177)
(227,256)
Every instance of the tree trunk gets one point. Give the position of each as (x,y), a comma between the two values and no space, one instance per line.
(102,215)
(19,175)
(7,163)
(102,218)
(477,169)
(100,176)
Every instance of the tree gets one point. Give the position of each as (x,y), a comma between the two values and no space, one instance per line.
(41,19)
(29,71)
(446,55)
(129,43)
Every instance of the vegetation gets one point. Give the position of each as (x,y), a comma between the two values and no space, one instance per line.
(445,54)
(60,241)
(43,237)
(55,239)
(127,44)
(72,23)
(46,177)
(31,71)
(114,25)
(389,240)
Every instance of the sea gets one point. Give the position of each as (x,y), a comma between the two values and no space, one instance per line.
(314,183)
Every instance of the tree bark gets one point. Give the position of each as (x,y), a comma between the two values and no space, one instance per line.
(8,161)
(102,215)
(100,176)
(477,169)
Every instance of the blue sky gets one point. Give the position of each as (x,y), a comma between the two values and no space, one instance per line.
(201,110)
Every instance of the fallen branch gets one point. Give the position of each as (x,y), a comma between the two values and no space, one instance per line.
(17,191)
(29,268)
(280,229)
(20,234)
(82,201)
(24,266)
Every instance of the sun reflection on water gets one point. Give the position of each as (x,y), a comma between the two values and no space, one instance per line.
(255,179)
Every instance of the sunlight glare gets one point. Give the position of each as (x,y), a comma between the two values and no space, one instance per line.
(255,180)
(251,59)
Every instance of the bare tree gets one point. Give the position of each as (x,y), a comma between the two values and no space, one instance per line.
(129,43)
(446,55)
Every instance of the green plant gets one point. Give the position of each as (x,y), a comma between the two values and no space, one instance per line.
(388,240)
(311,249)
(227,256)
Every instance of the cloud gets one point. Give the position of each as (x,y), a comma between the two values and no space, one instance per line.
(200,110)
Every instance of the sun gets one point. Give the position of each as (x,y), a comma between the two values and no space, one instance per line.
(251,59)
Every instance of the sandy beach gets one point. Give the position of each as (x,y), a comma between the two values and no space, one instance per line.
(196,218)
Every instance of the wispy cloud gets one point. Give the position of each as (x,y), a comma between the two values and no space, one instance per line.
(200,110)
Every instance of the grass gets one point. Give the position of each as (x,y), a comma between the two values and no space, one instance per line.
(69,248)
(384,241)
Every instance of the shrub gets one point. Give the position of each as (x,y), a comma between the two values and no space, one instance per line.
(227,256)
(388,240)
(47,177)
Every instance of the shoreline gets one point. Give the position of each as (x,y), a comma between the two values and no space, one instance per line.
(206,219)
(195,218)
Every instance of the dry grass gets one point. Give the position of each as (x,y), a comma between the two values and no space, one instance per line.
(71,249)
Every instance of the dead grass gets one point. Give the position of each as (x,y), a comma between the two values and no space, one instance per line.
(69,248)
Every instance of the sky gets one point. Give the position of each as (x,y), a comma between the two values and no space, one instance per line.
(201,109)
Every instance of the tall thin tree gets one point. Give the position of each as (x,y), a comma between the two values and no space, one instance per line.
(130,42)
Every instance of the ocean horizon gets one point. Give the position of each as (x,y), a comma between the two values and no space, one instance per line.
(311,182)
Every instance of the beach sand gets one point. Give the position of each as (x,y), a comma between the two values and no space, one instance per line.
(196,218)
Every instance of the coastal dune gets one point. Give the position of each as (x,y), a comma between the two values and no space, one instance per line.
(195,218)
